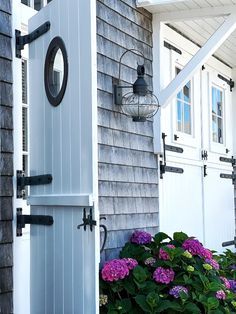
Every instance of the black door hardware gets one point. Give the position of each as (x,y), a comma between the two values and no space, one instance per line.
(163,167)
(22,220)
(88,220)
(227,150)
(231,160)
(229,176)
(228,243)
(171,47)
(204,155)
(22,182)
(205,170)
(105,234)
(21,41)
(176,137)
(230,82)
(174,149)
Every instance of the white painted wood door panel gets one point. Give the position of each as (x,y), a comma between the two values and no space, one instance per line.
(64,259)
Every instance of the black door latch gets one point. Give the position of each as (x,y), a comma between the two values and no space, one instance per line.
(88,220)
(228,243)
(22,220)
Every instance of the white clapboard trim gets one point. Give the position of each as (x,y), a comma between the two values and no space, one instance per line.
(213,43)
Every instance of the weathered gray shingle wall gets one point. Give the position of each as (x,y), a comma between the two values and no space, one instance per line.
(6,159)
(128,190)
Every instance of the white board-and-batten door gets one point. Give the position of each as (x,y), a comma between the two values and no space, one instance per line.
(198,201)
(64,259)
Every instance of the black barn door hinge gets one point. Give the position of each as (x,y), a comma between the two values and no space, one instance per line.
(231,160)
(88,220)
(163,167)
(21,41)
(22,220)
(172,47)
(230,82)
(228,243)
(22,182)
(229,176)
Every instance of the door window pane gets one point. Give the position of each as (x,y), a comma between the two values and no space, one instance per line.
(26,2)
(217,115)
(184,108)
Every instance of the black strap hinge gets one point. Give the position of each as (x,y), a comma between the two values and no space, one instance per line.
(172,47)
(228,243)
(22,182)
(22,220)
(231,160)
(21,41)
(229,176)
(230,82)
(88,220)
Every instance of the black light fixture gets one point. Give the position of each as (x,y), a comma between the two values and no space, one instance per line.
(141,103)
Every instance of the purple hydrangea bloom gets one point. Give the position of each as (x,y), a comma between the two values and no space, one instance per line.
(163,254)
(232,285)
(213,263)
(164,275)
(193,246)
(220,295)
(205,253)
(114,270)
(175,291)
(225,282)
(141,237)
(130,262)
(233,267)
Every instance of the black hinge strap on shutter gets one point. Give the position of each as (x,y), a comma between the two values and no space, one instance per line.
(229,176)
(172,47)
(230,82)
(163,167)
(21,41)
(22,182)
(231,160)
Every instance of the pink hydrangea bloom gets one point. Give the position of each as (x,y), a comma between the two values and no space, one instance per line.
(114,270)
(141,237)
(164,275)
(206,253)
(220,294)
(225,282)
(213,263)
(163,254)
(130,262)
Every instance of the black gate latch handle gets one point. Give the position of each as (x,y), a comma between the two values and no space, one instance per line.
(88,220)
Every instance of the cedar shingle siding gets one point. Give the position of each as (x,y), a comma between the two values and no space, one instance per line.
(128,190)
(6,159)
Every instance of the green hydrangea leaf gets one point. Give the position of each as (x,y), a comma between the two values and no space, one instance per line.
(141,301)
(212,303)
(140,274)
(160,236)
(152,299)
(180,236)
(192,308)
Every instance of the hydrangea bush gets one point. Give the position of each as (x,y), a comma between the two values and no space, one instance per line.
(168,275)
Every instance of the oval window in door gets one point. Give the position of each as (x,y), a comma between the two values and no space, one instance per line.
(56,71)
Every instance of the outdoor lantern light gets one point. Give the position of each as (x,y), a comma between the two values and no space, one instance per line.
(139,104)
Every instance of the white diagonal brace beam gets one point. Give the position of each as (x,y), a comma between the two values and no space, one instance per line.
(213,43)
(191,14)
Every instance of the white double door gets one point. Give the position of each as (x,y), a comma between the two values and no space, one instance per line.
(199,202)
